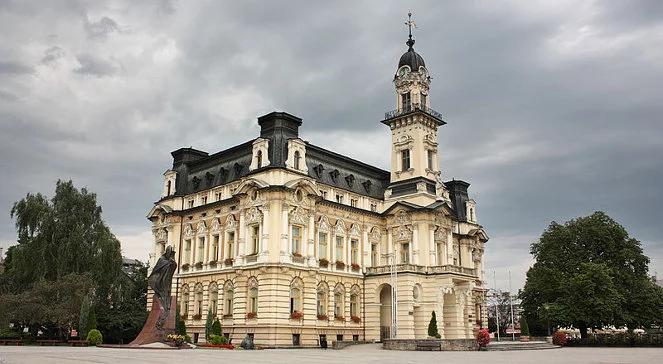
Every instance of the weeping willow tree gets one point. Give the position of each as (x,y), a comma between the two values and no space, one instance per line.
(58,239)
(63,236)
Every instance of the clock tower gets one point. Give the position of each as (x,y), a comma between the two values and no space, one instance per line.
(415,171)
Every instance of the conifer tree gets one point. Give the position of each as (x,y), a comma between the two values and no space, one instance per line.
(432,327)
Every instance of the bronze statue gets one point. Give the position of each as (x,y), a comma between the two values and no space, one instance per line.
(160,280)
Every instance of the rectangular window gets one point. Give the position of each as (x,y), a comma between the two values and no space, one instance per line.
(214,254)
(324,194)
(375,255)
(213,307)
(374,207)
(296,240)
(339,248)
(405,159)
(190,203)
(405,253)
(353,202)
(440,253)
(231,244)
(423,101)
(201,249)
(405,102)
(204,200)
(354,254)
(339,198)
(322,245)
(255,236)
(187,251)
(218,196)
(430,159)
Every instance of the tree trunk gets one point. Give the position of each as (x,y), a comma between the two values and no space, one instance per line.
(582,326)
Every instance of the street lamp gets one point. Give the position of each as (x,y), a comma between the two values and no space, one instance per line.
(547,307)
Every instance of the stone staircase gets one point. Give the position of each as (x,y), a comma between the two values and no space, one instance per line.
(518,345)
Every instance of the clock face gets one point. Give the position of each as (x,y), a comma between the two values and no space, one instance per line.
(403,70)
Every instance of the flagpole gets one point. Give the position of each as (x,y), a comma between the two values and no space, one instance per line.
(513,327)
(497,311)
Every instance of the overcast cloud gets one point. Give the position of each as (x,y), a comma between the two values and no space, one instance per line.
(554,109)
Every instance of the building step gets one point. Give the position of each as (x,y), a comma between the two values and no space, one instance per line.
(532,345)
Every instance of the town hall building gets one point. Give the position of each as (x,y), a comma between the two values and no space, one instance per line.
(292,243)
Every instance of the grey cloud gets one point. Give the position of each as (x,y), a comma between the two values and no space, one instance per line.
(9,67)
(52,54)
(546,120)
(93,66)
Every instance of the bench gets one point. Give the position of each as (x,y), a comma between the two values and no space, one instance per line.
(428,345)
(78,342)
(49,342)
(17,342)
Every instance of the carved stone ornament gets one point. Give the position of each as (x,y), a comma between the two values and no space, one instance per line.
(188,230)
(253,215)
(340,227)
(447,288)
(231,223)
(375,235)
(402,233)
(323,224)
(202,228)
(402,217)
(160,235)
(299,216)
(440,234)
(216,225)
(354,230)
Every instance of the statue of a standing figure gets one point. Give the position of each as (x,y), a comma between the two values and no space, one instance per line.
(160,280)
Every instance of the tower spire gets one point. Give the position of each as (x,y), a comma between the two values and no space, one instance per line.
(410,23)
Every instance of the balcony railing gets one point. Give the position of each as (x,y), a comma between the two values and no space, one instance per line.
(422,269)
(413,107)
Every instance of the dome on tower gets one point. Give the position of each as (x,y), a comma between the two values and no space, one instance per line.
(412,59)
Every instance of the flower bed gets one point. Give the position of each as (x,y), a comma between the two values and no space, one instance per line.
(219,346)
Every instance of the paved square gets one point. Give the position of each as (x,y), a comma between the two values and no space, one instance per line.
(358,354)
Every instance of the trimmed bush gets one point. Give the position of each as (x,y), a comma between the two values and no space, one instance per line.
(217,339)
(94,337)
(483,338)
(216,328)
(432,327)
(524,329)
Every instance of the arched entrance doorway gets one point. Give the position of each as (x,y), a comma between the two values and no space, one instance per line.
(385,311)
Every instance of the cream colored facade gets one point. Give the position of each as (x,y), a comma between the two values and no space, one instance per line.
(286,257)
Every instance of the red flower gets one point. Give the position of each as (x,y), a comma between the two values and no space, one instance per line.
(296,315)
(483,338)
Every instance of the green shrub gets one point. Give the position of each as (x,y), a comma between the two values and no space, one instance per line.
(216,328)
(524,329)
(217,339)
(187,338)
(94,337)
(432,327)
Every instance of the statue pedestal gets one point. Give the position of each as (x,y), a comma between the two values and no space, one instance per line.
(150,334)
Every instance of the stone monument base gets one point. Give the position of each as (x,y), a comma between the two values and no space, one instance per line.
(150,334)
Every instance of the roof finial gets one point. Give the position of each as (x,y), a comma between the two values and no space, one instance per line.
(410,23)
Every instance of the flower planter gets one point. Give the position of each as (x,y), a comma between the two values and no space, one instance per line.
(355,267)
(197,316)
(339,318)
(296,315)
(323,263)
(228,262)
(185,266)
(356,319)
(340,265)
(323,317)
(251,315)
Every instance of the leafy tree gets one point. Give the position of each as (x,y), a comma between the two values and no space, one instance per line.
(590,273)
(499,302)
(432,327)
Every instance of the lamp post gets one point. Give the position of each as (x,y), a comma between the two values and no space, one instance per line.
(546,306)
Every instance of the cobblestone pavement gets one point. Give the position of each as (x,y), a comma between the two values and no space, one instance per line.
(371,353)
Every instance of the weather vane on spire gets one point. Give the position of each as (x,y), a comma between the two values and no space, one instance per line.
(410,23)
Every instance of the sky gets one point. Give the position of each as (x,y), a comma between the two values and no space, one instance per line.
(554,108)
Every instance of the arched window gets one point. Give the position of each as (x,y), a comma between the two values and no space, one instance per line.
(322,299)
(339,304)
(213,298)
(296,288)
(168,184)
(229,296)
(252,297)
(199,300)
(259,159)
(354,304)
(184,307)
(297,158)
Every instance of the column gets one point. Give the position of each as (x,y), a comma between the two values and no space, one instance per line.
(390,248)
(432,247)
(449,253)
(241,239)
(264,238)
(365,248)
(285,249)
(414,248)
(346,246)
(310,235)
